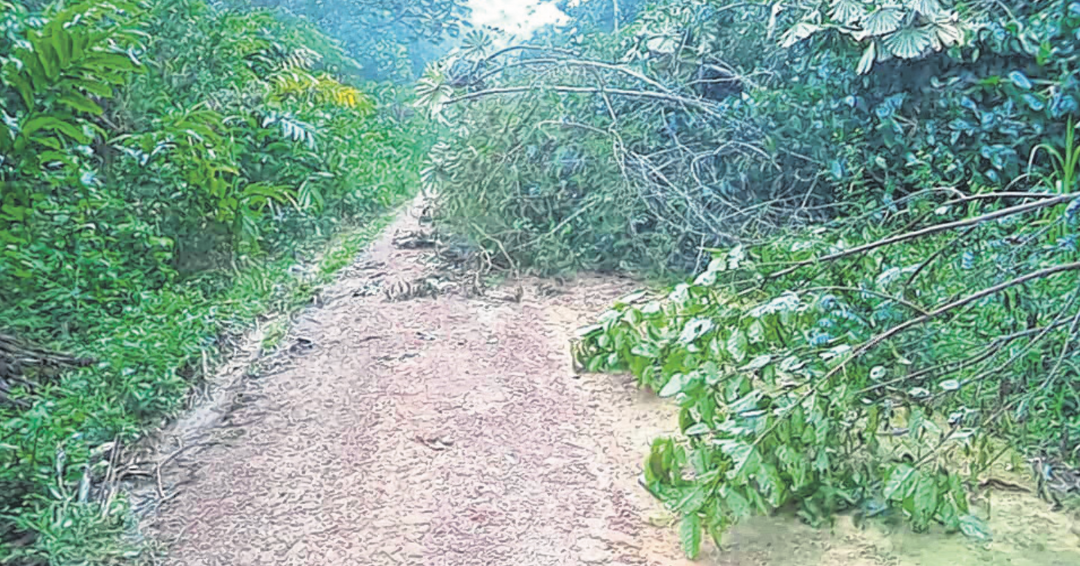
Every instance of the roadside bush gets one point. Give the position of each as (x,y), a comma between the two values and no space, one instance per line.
(162,167)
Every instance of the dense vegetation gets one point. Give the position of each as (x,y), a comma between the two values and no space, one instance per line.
(880,199)
(391,39)
(163,167)
(710,123)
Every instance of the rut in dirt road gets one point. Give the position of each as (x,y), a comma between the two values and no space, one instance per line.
(445,431)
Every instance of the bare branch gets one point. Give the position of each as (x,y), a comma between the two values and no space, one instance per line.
(706,107)
(1019,209)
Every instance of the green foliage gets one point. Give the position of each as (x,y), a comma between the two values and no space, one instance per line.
(163,166)
(866,364)
(694,128)
(894,297)
(390,38)
(548,171)
(909,30)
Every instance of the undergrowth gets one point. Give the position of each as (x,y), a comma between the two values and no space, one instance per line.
(712,123)
(152,356)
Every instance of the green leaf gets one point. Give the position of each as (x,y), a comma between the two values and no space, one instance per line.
(706,278)
(81,103)
(588,331)
(950,385)
(974,527)
(739,505)
(712,373)
(741,454)
(736,345)
(646,350)
(882,21)
(798,32)
(1020,80)
(673,386)
(26,90)
(945,33)
(909,43)
(898,481)
(847,12)
(630,299)
(656,468)
(693,501)
(695,329)
(46,55)
(757,363)
(39,123)
(926,501)
(690,535)
(925,7)
(697,430)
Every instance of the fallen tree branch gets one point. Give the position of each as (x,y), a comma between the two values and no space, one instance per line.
(566,89)
(1019,209)
(955,305)
(878,294)
(900,328)
(577,63)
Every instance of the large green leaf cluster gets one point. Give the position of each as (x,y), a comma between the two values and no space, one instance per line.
(868,365)
(975,116)
(907,30)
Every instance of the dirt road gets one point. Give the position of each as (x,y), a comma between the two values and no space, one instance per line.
(452,431)
(442,431)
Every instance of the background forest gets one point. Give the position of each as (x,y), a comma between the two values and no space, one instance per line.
(868,209)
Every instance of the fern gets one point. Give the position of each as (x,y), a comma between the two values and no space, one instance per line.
(292,128)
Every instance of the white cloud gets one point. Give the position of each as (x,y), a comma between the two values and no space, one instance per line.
(518,19)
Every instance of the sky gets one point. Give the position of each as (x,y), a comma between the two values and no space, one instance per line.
(518,18)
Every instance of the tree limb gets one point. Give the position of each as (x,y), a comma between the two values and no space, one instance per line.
(565,89)
(1019,209)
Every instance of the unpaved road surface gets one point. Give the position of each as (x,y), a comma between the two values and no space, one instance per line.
(452,431)
(445,431)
